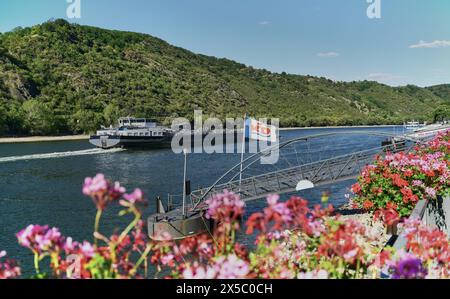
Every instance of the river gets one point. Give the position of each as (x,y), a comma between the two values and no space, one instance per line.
(40,183)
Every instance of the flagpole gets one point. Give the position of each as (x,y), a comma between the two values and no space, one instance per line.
(243,150)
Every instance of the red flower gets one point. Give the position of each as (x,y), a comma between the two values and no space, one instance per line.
(356,188)
(430,173)
(398,181)
(391,205)
(390,216)
(367,205)
(408,173)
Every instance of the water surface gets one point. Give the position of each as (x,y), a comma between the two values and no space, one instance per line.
(41,189)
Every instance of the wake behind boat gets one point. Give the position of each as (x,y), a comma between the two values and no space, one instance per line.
(133,132)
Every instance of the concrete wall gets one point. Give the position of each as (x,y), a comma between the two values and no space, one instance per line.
(437,214)
(433,213)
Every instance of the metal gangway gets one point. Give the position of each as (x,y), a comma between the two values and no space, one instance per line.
(304,162)
(301,166)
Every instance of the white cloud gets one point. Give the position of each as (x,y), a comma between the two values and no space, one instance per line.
(383,77)
(264,23)
(430,45)
(328,54)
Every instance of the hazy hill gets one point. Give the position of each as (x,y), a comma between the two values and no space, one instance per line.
(61,78)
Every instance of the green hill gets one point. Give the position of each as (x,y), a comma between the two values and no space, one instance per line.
(59,78)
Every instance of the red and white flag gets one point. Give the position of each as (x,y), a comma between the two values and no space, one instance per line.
(261,131)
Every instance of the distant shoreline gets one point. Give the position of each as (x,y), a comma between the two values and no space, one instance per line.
(30,139)
(338,127)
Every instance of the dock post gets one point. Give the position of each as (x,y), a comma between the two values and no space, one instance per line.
(185,151)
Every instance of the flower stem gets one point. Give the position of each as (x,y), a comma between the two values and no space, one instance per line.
(141,259)
(36,263)
(128,229)
(97,223)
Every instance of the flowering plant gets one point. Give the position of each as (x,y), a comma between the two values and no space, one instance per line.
(112,259)
(426,255)
(8,268)
(297,242)
(292,241)
(392,186)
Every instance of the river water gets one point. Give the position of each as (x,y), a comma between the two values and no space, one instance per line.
(40,183)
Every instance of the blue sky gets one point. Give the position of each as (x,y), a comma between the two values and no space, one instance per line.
(410,44)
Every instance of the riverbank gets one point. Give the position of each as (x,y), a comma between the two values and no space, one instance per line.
(5,140)
(42,139)
(339,127)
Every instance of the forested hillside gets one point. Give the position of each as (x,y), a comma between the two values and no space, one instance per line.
(59,78)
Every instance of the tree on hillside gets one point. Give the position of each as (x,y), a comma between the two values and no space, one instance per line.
(111,113)
(86,121)
(442,113)
(39,119)
(3,120)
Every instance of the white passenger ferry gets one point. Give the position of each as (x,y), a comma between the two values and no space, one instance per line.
(133,132)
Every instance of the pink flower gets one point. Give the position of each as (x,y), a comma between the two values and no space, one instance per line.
(199,272)
(84,249)
(223,267)
(430,192)
(87,249)
(227,206)
(102,191)
(417,183)
(277,235)
(9,268)
(273,199)
(279,208)
(95,185)
(69,246)
(167,259)
(231,267)
(317,274)
(349,256)
(317,227)
(40,238)
(136,197)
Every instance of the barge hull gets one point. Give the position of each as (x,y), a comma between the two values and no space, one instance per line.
(107,142)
